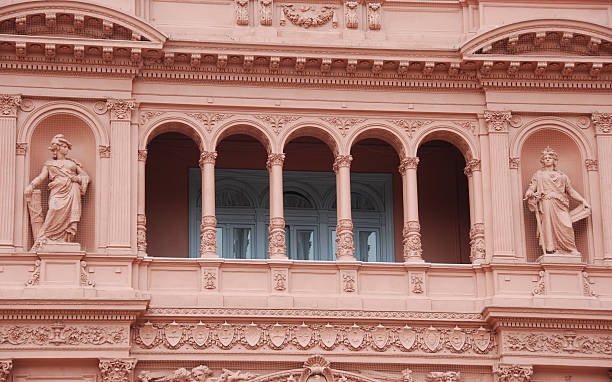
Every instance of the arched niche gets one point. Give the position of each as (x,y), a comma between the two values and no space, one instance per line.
(83,141)
(571,163)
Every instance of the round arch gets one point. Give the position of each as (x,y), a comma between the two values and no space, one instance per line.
(553,123)
(382,132)
(312,129)
(172,123)
(63,107)
(454,136)
(246,127)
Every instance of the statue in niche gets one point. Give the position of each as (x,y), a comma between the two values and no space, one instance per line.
(67,183)
(548,195)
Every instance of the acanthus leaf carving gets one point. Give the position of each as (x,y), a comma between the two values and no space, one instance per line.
(210,120)
(343,124)
(513,162)
(116,370)
(602,122)
(412,241)
(410,125)
(344,240)
(208,234)
(265,12)
(342,161)
(9,104)
(307,16)
(349,281)
(276,122)
(276,233)
(146,116)
(120,109)
(514,373)
(591,164)
(374,15)
(209,278)
(443,376)
(351,17)
(497,120)
(275,159)
(6,366)
(279,280)
(467,125)
(242,12)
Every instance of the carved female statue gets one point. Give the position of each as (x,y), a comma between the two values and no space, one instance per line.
(548,195)
(67,182)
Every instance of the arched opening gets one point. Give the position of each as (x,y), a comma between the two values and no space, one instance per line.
(241,183)
(570,164)
(309,199)
(376,201)
(83,151)
(444,210)
(171,156)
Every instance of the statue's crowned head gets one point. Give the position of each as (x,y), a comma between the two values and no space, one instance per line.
(549,152)
(57,141)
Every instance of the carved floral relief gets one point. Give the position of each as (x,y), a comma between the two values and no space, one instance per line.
(307,15)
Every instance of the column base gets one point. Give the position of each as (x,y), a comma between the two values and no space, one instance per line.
(560,258)
(414,259)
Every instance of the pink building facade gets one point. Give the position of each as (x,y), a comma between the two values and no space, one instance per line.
(322,191)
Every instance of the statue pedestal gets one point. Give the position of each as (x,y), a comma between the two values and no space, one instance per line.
(53,247)
(559,258)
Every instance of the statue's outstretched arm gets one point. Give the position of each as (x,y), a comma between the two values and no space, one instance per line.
(44,173)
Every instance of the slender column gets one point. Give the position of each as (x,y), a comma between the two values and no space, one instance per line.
(592,166)
(345,248)
(141,219)
(413,253)
(517,205)
(477,232)
(120,186)
(208,228)
(277,246)
(8,142)
(603,134)
(501,196)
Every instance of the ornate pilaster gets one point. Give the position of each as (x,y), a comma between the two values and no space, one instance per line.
(120,188)
(501,189)
(8,145)
(208,228)
(345,249)
(117,370)
(6,365)
(276,230)
(513,373)
(141,233)
(141,218)
(411,232)
(477,243)
(477,234)
(603,134)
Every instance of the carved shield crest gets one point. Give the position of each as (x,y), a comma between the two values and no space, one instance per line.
(200,334)
(380,335)
(225,334)
(457,338)
(277,334)
(174,333)
(303,335)
(148,333)
(355,335)
(328,335)
(432,338)
(482,339)
(407,337)
(252,334)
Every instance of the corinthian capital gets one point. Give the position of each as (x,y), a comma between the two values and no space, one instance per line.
(120,108)
(497,121)
(9,104)
(6,365)
(342,161)
(207,157)
(406,163)
(514,373)
(116,370)
(275,159)
(602,122)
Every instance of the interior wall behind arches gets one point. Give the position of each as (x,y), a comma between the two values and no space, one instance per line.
(84,151)
(571,163)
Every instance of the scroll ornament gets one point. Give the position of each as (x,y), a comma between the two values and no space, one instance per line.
(307,16)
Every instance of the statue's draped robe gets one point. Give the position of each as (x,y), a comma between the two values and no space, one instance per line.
(555,227)
(64,199)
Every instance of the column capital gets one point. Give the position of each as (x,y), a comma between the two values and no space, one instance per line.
(514,373)
(408,163)
(342,161)
(497,121)
(116,370)
(471,166)
(514,162)
(142,155)
(275,159)
(9,104)
(120,109)
(591,164)
(6,365)
(602,122)
(207,157)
